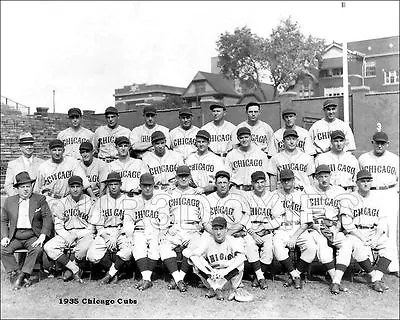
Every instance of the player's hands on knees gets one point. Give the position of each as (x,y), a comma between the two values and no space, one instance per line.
(257,239)
(291,243)
(39,241)
(372,242)
(5,242)
(70,239)
(199,190)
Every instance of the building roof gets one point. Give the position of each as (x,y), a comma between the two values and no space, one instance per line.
(147,88)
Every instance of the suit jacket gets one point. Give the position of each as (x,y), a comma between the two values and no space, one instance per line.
(39,215)
(16,166)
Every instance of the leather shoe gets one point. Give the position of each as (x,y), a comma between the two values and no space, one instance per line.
(78,276)
(27,282)
(146,285)
(297,283)
(255,283)
(13,276)
(68,275)
(384,285)
(376,285)
(107,279)
(171,285)
(181,286)
(19,281)
(335,288)
(210,293)
(220,294)
(263,284)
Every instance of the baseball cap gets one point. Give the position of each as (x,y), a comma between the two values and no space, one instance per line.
(217,105)
(322,168)
(337,134)
(286,174)
(288,111)
(250,104)
(75,180)
(290,132)
(219,222)
(86,145)
(74,112)
(146,178)
(157,135)
(203,134)
(121,139)
(182,171)
(255,176)
(364,174)
(243,130)
(380,136)
(149,110)
(222,173)
(186,111)
(329,103)
(25,138)
(113,176)
(112,110)
(55,143)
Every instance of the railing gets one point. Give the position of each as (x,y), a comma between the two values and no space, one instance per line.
(13,105)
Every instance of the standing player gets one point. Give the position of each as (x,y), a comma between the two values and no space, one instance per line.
(128,168)
(262,134)
(294,221)
(140,136)
(73,230)
(220,130)
(162,163)
(104,136)
(245,160)
(384,167)
(73,136)
(303,143)
(204,164)
(183,137)
(110,248)
(26,162)
(320,131)
(294,159)
(344,166)
(95,169)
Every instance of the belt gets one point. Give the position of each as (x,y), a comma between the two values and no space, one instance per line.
(348,188)
(131,193)
(108,159)
(383,187)
(244,187)
(118,226)
(221,154)
(289,223)
(365,227)
(162,187)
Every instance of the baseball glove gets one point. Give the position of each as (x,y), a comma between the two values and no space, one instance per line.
(242,295)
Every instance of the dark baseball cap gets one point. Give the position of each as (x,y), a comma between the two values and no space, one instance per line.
(290,132)
(219,222)
(203,134)
(329,103)
(243,130)
(337,134)
(182,171)
(255,176)
(288,111)
(364,174)
(75,180)
(56,143)
(186,111)
(112,110)
(217,105)
(113,176)
(86,145)
(74,112)
(286,174)
(149,110)
(146,178)
(250,104)
(157,135)
(380,136)
(121,140)
(322,168)
(222,173)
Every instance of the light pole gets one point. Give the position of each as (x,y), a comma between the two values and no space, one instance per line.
(54,101)
(346,117)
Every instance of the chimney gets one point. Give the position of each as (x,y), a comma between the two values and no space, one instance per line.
(42,111)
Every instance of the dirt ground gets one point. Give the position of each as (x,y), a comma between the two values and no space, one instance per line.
(45,299)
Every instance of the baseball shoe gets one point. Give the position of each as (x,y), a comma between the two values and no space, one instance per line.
(335,288)
(171,285)
(139,284)
(181,286)
(107,279)
(19,281)
(13,276)
(263,284)
(288,283)
(27,282)
(68,275)
(220,294)
(384,286)
(255,283)
(78,276)
(231,295)
(146,285)
(343,288)
(297,283)
(376,285)
(210,293)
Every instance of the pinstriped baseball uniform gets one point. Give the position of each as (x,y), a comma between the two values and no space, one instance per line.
(104,140)
(221,136)
(72,139)
(130,172)
(140,136)
(183,141)
(96,172)
(163,168)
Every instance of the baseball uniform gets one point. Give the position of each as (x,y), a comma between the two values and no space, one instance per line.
(304,142)
(140,136)
(221,136)
(130,171)
(183,141)
(104,141)
(96,173)
(72,139)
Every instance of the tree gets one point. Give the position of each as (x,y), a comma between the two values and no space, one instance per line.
(170,102)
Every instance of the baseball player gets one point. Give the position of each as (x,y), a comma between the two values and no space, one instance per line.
(186,220)
(183,138)
(344,166)
(304,143)
(73,136)
(320,131)
(245,160)
(110,248)
(219,261)
(365,222)
(95,169)
(129,169)
(104,136)
(142,225)
(294,222)
(294,159)
(204,164)
(324,201)
(384,167)
(264,211)
(140,136)
(220,130)
(73,230)
(262,134)
(162,162)
(26,162)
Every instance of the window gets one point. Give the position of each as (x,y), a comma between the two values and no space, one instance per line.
(325,73)
(200,87)
(306,91)
(333,92)
(337,72)
(391,77)
(370,69)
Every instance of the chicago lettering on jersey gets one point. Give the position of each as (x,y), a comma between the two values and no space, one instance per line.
(113,212)
(381,169)
(221,138)
(145,138)
(146,213)
(222,210)
(184,202)
(289,204)
(93,178)
(294,167)
(219,257)
(259,139)
(163,168)
(184,141)
(105,140)
(58,176)
(323,135)
(342,167)
(256,211)
(75,213)
(366,212)
(74,140)
(130,174)
(201,167)
(300,144)
(320,202)
(247,163)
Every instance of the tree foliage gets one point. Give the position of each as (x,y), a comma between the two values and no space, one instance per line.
(170,102)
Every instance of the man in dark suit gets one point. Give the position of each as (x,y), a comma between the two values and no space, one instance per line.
(26,222)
